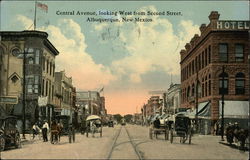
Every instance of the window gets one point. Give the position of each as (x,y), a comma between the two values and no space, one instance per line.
(225,89)
(239,53)
(30,60)
(43,61)
(209,54)
(239,83)
(192,90)
(37,56)
(30,88)
(15,52)
(223,52)
(36,79)
(47,66)
(43,88)
(14,79)
(36,88)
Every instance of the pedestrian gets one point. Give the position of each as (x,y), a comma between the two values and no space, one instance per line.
(35,130)
(71,133)
(216,128)
(45,129)
(54,132)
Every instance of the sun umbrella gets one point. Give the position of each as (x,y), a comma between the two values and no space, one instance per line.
(92,117)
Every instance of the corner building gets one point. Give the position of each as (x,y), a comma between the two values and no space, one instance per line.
(220,43)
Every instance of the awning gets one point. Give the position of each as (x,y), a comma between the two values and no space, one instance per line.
(203,111)
(235,109)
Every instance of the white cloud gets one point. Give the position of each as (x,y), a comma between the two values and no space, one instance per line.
(68,38)
(152,45)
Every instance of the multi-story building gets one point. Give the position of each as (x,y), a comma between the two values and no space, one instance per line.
(64,95)
(27,72)
(221,44)
(173,98)
(88,103)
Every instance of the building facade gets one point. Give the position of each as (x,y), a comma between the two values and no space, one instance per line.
(221,44)
(27,72)
(173,98)
(65,95)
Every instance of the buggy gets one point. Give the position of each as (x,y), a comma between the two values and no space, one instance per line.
(156,129)
(9,135)
(181,128)
(94,125)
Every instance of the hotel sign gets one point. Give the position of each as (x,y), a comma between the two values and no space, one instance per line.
(233,25)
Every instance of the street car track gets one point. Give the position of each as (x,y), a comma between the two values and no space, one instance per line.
(114,144)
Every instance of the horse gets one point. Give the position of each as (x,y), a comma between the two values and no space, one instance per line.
(240,134)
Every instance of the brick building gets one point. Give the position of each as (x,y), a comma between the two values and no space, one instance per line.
(221,43)
(31,55)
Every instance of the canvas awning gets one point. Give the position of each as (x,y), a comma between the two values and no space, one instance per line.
(235,109)
(203,111)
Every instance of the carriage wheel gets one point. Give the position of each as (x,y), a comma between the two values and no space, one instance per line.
(2,144)
(166,136)
(18,141)
(87,133)
(189,136)
(101,132)
(150,133)
(171,136)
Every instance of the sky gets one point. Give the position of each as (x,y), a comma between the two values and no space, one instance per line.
(128,59)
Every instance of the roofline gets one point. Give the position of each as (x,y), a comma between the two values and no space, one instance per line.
(32,33)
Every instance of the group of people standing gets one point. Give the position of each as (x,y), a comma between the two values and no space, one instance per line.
(56,129)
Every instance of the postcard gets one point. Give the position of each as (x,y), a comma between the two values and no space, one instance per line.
(119,79)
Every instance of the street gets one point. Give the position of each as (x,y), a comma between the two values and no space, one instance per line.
(116,144)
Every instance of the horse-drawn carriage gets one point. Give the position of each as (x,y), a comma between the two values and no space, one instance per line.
(94,125)
(157,128)
(9,135)
(181,127)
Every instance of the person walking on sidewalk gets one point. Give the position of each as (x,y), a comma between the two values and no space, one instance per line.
(45,129)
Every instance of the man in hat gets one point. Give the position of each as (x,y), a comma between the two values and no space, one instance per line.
(45,129)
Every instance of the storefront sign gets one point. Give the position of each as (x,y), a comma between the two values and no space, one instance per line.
(8,100)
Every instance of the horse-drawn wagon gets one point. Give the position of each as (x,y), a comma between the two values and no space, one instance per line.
(181,127)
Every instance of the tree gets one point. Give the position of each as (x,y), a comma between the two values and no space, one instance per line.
(128,117)
(117,117)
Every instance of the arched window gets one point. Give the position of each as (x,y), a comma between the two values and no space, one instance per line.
(188,91)
(225,89)
(192,90)
(239,83)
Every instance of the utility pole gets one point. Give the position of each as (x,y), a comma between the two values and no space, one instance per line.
(222,104)
(24,93)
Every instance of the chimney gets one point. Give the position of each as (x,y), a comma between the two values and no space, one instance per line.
(214,17)
(187,46)
(202,27)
